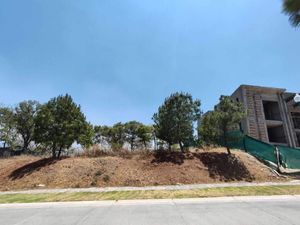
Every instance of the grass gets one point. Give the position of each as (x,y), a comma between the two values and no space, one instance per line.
(157,194)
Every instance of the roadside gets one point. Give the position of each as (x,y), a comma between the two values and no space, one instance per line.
(152,194)
(154,188)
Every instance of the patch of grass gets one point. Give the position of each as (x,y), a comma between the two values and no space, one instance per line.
(157,194)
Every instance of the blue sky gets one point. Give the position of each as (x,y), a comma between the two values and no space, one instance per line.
(119,59)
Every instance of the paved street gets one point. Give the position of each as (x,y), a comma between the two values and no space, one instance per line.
(241,211)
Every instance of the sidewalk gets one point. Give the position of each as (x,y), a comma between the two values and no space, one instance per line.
(150,188)
(228,199)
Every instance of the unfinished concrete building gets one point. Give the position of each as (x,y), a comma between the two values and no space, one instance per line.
(272,115)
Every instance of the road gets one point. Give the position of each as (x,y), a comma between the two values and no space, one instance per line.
(233,210)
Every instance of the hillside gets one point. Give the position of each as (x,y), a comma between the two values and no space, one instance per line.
(28,172)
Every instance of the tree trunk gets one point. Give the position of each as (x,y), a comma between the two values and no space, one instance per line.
(26,141)
(59,152)
(226,143)
(25,146)
(228,150)
(181,146)
(131,144)
(53,153)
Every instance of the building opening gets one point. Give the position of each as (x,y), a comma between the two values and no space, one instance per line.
(296,119)
(272,111)
(298,138)
(276,134)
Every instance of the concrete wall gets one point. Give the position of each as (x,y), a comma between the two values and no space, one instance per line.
(258,99)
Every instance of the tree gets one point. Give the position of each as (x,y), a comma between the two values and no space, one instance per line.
(8,134)
(227,115)
(131,133)
(24,116)
(138,134)
(145,134)
(174,121)
(207,129)
(86,138)
(115,135)
(59,123)
(292,8)
(100,135)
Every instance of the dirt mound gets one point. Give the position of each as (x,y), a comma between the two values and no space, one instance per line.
(159,168)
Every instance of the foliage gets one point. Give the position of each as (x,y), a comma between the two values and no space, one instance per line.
(101,135)
(137,134)
(8,133)
(86,138)
(131,133)
(225,117)
(292,8)
(208,131)
(59,123)
(114,136)
(174,121)
(145,134)
(24,116)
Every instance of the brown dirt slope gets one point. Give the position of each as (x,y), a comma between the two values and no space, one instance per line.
(27,172)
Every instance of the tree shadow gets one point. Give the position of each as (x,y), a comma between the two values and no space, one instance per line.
(31,167)
(169,157)
(226,167)
(178,158)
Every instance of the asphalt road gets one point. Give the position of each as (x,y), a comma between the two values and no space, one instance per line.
(241,211)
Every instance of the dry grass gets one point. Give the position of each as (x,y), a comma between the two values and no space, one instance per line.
(126,195)
(140,169)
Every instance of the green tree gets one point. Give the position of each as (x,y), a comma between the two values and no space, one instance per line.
(101,134)
(226,116)
(8,134)
(115,136)
(145,134)
(131,133)
(292,8)
(59,123)
(138,134)
(24,116)
(207,129)
(86,138)
(174,121)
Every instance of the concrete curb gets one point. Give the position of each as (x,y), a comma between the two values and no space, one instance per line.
(155,201)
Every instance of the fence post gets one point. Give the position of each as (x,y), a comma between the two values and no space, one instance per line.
(278,158)
(244,143)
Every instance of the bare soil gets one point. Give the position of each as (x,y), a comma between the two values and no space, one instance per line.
(159,168)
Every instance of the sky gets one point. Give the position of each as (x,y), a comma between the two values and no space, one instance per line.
(119,59)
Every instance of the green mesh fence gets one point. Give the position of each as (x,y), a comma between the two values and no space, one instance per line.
(290,157)
(235,140)
(260,149)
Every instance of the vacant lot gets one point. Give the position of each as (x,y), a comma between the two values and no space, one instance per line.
(27,172)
